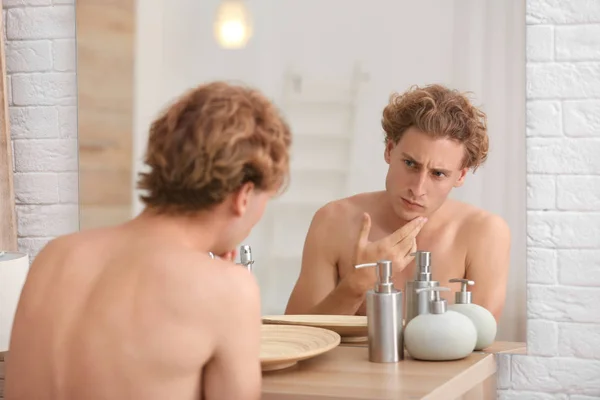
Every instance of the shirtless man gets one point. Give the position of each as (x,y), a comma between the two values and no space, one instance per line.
(433,136)
(140,310)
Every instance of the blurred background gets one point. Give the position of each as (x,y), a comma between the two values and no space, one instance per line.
(330,66)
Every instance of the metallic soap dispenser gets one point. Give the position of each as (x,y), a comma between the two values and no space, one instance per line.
(417,303)
(384,316)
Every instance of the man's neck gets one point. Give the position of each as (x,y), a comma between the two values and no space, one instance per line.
(198,233)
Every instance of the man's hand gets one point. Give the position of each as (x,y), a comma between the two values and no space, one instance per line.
(229,256)
(396,247)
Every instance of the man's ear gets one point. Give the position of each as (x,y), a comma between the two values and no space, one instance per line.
(241,198)
(389,146)
(461,178)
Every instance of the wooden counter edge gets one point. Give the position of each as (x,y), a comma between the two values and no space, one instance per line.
(477,382)
(474,379)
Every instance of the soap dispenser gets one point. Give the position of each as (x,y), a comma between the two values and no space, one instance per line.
(384,316)
(419,304)
(440,335)
(483,320)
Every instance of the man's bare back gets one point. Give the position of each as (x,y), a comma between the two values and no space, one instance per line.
(132,312)
(140,310)
(454,236)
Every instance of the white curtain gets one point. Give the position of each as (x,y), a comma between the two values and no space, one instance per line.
(489,59)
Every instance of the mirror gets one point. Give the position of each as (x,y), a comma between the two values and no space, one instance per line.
(330,66)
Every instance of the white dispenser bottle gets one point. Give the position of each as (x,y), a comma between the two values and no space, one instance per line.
(441,335)
(483,320)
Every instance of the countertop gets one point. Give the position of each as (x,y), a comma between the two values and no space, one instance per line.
(346,373)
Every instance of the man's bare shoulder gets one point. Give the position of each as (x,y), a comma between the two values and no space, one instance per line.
(232,277)
(75,240)
(216,280)
(339,213)
(477,224)
(63,246)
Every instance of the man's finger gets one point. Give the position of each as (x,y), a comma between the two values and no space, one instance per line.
(411,229)
(407,246)
(229,256)
(413,248)
(408,258)
(363,237)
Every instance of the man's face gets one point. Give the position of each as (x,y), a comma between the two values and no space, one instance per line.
(422,172)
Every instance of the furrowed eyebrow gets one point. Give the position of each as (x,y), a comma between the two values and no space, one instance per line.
(443,171)
(411,158)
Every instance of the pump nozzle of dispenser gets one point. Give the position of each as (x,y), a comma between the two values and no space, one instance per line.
(437,305)
(423,263)
(384,275)
(464,296)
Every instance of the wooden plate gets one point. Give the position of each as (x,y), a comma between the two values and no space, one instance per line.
(282,346)
(349,327)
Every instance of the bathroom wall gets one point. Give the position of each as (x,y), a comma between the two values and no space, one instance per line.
(40,60)
(563,89)
(563,221)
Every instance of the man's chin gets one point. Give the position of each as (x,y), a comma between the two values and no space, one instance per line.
(409,215)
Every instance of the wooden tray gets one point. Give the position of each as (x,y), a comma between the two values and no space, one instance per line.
(282,346)
(351,328)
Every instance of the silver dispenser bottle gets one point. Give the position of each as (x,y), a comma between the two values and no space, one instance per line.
(384,316)
(417,303)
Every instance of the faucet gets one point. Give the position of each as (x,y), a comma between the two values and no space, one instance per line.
(245,257)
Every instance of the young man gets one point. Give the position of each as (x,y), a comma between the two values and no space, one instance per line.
(140,310)
(433,136)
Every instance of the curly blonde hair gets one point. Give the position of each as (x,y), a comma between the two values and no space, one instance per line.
(440,112)
(209,143)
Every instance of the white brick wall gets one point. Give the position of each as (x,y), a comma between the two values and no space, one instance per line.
(40,60)
(563,201)
(563,128)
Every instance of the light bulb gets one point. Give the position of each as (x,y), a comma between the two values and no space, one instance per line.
(233,26)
